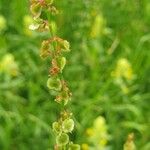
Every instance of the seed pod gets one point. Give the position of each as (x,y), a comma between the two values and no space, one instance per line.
(44,51)
(65,115)
(62,139)
(68,125)
(53,10)
(63,97)
(33,1)
(65,46)
(56,127)
(45,45)
(62,63)
(49,1)
(36,10)
(54,84)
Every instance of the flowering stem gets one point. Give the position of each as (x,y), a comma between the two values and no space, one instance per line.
(55,48)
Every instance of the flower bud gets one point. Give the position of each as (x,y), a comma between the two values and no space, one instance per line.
(56,127)
(62,139)
(74,147)
(68,125)
(54,84)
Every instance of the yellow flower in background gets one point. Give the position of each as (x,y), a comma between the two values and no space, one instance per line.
(99,123)
(129,144)
(89,132)
(100,131)
(103,142)
(123,69)
(98,134)
(8,65)
(98,27)
(27,21)
(3,23)
(85,146)
(124,88)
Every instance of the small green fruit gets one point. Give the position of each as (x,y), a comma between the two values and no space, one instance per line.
(65,97)
(45,45)
(62,139)
(56,127)
(62,63)
(68,125)
(65,46)
(36,10)
(54,84)
(44,51)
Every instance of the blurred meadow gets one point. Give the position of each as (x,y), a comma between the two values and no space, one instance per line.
(108,72)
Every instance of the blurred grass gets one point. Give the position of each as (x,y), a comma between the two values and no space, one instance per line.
(26,106)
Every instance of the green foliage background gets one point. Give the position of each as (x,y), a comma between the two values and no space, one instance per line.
(27,109)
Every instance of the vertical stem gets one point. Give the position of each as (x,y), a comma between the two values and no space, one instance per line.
(64,148)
